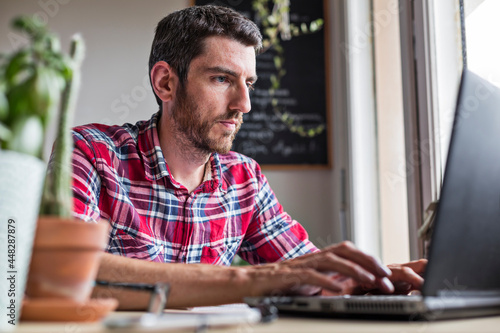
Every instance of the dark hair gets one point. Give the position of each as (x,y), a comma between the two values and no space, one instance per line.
(180,36)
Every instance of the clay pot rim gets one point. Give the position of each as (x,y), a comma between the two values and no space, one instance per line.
(68,234)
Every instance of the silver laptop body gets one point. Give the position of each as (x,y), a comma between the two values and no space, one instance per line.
(462,278)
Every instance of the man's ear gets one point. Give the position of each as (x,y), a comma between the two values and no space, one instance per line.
(164,81)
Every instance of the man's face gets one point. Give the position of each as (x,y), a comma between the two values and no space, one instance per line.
(208,110)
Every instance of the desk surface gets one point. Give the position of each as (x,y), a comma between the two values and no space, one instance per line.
(295,325)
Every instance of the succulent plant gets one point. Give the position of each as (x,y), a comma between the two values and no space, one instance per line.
(31,81)
(57,196)
(34,81)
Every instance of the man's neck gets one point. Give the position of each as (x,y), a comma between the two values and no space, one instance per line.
(186,163)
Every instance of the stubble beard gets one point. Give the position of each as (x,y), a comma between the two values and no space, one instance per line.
(195,130)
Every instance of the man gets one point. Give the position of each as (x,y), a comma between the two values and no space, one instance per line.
(174,194)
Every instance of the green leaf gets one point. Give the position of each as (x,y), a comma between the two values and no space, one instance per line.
(5,133)
(54,45)
(30,25)
(273,19)
(277,62)
(303,28)
(18,99)
(4,106)
(19,67)
(27,136)
(271,32)
(60,64)
(39,94)
(316,25)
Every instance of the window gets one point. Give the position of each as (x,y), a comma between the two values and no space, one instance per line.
(435,49)
(405,60)
(376,138)
(392,165)
(482,28)
(431,56)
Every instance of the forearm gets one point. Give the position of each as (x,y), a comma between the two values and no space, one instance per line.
(191,284)
(201,284)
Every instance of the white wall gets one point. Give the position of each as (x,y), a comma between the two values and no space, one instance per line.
(115,89)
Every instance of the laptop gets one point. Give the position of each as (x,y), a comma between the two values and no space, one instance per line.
(462,278)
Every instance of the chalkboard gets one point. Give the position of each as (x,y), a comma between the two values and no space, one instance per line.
(288,124)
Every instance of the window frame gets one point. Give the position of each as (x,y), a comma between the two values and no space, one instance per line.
(425,66)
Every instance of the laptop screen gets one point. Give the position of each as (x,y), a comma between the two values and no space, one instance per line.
(464,256)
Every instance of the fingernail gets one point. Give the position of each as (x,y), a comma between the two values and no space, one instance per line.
(388,284)
(385,270)
(370,277)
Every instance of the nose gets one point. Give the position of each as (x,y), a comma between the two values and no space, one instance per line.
(240,99)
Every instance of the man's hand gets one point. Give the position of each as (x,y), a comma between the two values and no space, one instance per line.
(404,277)
(338,269)
(408,277)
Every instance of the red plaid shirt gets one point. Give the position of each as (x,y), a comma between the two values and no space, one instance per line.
(119,174)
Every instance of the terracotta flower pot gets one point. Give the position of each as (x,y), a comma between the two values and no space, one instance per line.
(65,258)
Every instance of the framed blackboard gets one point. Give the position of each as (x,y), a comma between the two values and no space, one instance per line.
(288,126)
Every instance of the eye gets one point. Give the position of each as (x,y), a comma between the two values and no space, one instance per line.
(220,79)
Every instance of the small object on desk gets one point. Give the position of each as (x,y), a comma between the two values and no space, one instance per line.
(268,312)
(156,318)
(159,293)
(184,319)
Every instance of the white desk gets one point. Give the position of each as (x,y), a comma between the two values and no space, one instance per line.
(294,325)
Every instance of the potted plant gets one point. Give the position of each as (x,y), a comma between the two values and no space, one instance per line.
(31,82)
(34,82)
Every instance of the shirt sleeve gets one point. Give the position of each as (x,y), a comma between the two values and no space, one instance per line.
(272,235)
(86,183)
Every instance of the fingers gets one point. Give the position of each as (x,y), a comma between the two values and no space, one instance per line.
(381,286)
(405,278)
(402,288)
(409,275)
(329,262)
(349,287)
(418,266)
(313,277)
(386,286)
(405,274)
(348,251)
(348,261)
(296,281)
(279,278)
(362,271)
(343,256)
(331,284)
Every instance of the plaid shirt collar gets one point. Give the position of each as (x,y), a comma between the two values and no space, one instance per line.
(154,162)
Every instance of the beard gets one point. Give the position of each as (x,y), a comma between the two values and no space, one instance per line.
(195,130)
